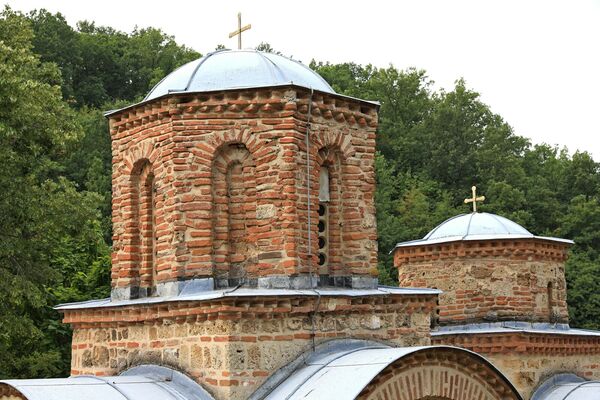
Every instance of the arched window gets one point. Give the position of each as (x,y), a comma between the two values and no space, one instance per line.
(330,224)
(323,222)
(234,215)
(145,241)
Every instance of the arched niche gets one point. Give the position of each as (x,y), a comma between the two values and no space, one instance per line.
(234,226)
(143,222)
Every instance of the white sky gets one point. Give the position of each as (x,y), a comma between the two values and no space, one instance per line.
(536,63)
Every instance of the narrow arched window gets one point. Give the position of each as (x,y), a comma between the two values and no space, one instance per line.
(323,222)
(331,224)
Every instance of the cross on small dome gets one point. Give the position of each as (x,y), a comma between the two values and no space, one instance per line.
(239,31)
(474,199)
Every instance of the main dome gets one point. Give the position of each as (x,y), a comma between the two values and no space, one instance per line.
(235,69)
(477,226)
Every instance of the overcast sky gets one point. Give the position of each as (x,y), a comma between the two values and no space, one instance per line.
(536,63)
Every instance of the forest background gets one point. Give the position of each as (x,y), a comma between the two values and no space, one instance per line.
(55,176)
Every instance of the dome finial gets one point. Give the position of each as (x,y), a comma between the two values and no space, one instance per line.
(474,199)
(239,31)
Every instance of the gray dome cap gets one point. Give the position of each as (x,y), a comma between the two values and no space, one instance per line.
(145,382)
(235,69)
(477,226)
(567,387)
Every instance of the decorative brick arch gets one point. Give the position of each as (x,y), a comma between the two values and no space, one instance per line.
(133,156)
(440,373)
(336,140)
(220,139)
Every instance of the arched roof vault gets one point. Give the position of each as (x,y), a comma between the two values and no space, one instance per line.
(146,382)
(365,370)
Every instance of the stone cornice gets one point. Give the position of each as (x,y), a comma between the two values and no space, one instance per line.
(245,308)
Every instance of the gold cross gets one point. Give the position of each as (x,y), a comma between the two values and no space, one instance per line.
(239,31)
(474,199)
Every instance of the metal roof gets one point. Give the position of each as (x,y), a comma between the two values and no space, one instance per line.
(511,327)
(202,295)
(477,226)
(340,372)
(140,383)
(567,387)
(233,69)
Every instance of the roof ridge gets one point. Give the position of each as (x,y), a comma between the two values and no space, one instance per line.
(497,219)
(469,224)
(271,66)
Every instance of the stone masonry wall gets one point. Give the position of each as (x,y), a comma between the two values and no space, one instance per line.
(527,360)
(490,280)
(191,147)
(231,346)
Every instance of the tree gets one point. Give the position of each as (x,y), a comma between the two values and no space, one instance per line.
(99,64)
(39,208)
(266,47)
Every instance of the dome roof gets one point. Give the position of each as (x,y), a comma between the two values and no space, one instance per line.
(476,226)
(144,382)
(234,69)
(567,386)
(342,369)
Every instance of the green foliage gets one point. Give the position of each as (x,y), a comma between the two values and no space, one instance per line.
(89,162)
(100,64)
(40,210)
(407,208)
(266,47)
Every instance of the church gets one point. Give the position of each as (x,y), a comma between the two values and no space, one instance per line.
(245,263)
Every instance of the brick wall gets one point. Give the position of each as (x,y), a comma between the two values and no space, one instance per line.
(228,188)
(9,393)
(231,346)
(529,359)
(491,280)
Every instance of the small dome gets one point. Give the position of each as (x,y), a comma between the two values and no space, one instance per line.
(476,226)
(235,69)
(567,387)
